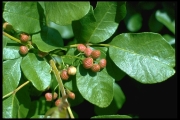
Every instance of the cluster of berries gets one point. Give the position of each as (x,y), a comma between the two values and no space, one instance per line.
(24,39)
(65,73)
(53,96)
(91,56)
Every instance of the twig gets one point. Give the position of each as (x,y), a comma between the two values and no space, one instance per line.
(13,38)
(63,92)
(13,92)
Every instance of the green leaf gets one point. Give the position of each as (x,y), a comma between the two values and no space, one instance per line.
(38,116)
(11,52)
(39,107)
(107,16)
(113,70)
(165,19)
(23,16)
(169,39)
(70,58)
(97,88)
(65,31)
(135,22)
(49,39)
(5,40)
(24,100)
(78,99)
(10,107)
(146,57)
(37,71)
(154,25)
(63,13)
(112,116)
(116,104)
(11,75)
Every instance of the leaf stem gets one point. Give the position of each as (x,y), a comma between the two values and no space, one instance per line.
(56,73)
(70,112)
(13,38)
(58,78)
(90,44)
(13,92)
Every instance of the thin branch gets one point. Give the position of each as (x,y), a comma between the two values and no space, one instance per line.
(58,78)
(13,92)
(13,38)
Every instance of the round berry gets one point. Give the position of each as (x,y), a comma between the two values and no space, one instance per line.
(95,68)
(24,37)
(23,50)
(7,27)
(71,70)
(81,47)
(95,54)
(102,63)
(58,102)
(88,51)
(88,63)
(55,95)
(64,75)
(48,96)
(71,95)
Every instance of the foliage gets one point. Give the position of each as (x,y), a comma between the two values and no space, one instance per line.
(56,28)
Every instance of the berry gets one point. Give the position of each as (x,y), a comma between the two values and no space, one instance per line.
(64,75)
(71,70)
(88,63)
(55,95)
(95,68)
(81,47)
(58,101)
(7,27)
(24,37)
(95,54)
(48,96)
(23,50)
(102,63)
(88,51)
(71,95)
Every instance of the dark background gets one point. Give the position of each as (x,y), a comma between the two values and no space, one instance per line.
(143,100)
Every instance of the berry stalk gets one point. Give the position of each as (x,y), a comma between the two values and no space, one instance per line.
(13,38)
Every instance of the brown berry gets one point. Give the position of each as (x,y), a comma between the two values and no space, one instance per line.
(23,50)
(81,47)
(64,75)
(88,51)
(48,96)
(95,54)
(102,63)
(71,70)
(24,37)
(58,102)
(55,95)
(7,27)
(71,95)
(95,68)
(88,63)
